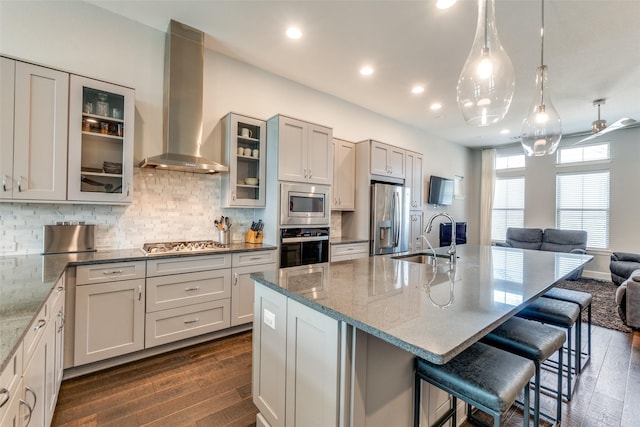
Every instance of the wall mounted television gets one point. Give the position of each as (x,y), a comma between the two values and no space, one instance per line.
(440,191)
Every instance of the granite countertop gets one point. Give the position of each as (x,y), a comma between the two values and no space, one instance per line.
(27,280)
(432,312)
(343,240)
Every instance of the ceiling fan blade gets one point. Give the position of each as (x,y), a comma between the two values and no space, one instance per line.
(619,124)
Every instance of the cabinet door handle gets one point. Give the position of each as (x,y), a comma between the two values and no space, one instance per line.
(4,182)
(112,272)
(233,195)
(187,322)
(235,279)
(197,288)
(304,170)
(61,316)
(20,184)
(25,403)
(59,289)
(40,325)
(310,174)
(33,393)
(7,396)
(128,190)
(139,293)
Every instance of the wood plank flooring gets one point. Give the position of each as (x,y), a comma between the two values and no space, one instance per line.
(210,385)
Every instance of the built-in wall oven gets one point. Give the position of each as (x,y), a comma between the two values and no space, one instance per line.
(304,205)
(302,246)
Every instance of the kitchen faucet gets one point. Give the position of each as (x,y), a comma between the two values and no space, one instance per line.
(452,249)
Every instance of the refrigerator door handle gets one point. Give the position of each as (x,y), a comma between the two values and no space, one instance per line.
(396,217)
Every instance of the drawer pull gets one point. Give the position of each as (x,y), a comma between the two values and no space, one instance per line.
(255,258)
(112,272)
(197,288)
(7,396)
(40,324)
(59,289)
(186,322)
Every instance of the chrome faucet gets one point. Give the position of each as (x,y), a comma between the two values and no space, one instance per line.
(452,249)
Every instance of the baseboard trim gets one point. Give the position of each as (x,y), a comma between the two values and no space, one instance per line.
(598,275)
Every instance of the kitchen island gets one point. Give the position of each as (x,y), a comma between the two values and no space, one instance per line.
(350,330)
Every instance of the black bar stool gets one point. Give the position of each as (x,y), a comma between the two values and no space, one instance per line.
(536,342)
(486,377)
(562,314)
(583,299)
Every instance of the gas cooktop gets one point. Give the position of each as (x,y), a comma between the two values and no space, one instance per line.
(183,247)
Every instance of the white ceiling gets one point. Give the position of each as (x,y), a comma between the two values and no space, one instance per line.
(592,49)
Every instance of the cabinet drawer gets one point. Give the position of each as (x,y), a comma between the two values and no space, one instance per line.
(185,322)
(100,273)
(252,258)
(178,290)
(349,251)
(34,333)
(10,380)
(160,267)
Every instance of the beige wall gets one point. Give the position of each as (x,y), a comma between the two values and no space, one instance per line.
(84,39)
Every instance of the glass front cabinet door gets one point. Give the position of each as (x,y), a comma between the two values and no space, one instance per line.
(101,133)
(244,152)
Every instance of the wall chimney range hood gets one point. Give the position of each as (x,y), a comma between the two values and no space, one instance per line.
(183,87)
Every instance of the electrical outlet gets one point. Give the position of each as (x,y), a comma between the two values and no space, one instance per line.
(269,319)
(7,246)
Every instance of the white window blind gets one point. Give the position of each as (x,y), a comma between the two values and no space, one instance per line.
(508,206)
(582,203)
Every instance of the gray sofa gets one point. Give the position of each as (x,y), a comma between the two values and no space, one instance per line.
(551,239)
(622,264)
(628,300)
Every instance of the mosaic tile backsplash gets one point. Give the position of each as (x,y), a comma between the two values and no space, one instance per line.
(166,206)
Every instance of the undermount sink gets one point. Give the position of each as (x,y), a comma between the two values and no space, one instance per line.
(419,258)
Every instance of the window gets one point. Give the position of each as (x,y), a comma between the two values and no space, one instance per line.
(583,153)
(508,206)
(506,160)
(582,203)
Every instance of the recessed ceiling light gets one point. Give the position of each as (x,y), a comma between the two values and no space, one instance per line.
(505,131)
(366,70)
(445,4)
(436,106)
(294,33)
(417,89)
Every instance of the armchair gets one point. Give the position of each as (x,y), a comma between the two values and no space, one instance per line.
(628,300)
(622,264)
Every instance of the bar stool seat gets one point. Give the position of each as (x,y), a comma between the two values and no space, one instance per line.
(483,376)
(583,299)
(536,342)
(562,314)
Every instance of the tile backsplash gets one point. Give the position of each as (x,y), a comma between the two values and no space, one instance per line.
(166,206)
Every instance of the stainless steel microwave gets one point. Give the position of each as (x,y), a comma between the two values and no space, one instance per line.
(305,204)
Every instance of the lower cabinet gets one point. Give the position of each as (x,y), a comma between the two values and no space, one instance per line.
(296,362)
(11,390)
(242,288)
(109,320)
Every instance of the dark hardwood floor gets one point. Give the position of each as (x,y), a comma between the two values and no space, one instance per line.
(210,385)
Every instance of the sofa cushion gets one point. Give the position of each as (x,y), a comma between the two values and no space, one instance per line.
(554,240)
(524,238)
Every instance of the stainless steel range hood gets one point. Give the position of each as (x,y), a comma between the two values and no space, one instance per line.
(183,86)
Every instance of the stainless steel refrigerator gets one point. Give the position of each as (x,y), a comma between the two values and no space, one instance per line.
(389,219)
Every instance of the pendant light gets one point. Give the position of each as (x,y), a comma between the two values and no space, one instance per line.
(541,129)
(486,82)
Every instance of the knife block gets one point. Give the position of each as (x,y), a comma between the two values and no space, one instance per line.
(253,236)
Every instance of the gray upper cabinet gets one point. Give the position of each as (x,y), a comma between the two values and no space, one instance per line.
(33,132)
(387,160)
(245,154)
(414,179)
(304,150)
(344,176)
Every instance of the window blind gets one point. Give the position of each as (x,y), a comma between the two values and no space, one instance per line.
(508,206)
(582,203)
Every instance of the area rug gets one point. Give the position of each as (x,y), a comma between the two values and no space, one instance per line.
(604,311)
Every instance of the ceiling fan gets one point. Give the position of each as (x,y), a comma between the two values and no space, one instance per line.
(599,127)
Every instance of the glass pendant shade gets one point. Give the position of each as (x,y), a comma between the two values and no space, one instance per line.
(541,129)
(486,82)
